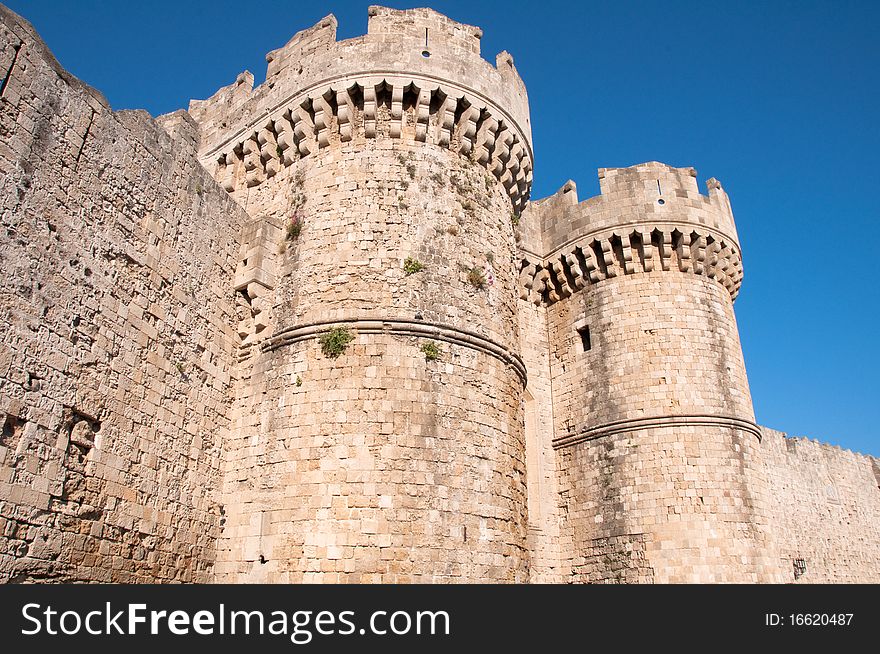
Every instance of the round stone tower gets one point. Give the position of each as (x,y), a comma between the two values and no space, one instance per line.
(378,423)
(654,428)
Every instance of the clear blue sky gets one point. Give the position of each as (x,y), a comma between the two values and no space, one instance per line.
(779,100)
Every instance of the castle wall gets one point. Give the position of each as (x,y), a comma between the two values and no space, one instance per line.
(318,90)
(117,333)
(558,394)
(661,343)
(825,510)
(380,467)
(541,474)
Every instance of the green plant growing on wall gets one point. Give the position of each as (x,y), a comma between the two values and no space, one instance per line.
(297,201)
(334,342)
(411,266)
(279,151)
(294,227)
(514,219)
(181,370)
(476,278)
(431,351)
(299,381)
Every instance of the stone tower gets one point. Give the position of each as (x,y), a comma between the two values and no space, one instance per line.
(382,174)
(654,430)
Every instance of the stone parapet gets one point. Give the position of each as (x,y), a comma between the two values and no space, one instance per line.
(649,217)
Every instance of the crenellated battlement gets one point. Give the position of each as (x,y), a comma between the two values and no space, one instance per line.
(648,217)
(424,26)
(416,75)
(304,44)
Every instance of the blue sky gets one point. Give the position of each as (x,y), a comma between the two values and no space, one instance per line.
(778,100)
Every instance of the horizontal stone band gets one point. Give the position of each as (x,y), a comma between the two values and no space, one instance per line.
(402,327)
(638,424)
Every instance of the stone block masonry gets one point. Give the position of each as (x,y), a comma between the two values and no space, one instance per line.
(381,465)
(825,510)
(317,331)
(118,333)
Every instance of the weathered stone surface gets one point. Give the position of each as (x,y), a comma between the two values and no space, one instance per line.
(117,333)
(316,331)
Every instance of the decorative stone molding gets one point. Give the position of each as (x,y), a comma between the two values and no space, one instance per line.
(630,250)
(373,104)
(657,422)
(402,327)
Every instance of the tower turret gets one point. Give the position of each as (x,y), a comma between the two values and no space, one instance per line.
(654,429)
(381,173)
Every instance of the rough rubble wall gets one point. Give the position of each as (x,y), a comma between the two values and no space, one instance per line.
(117,332)
(825,505)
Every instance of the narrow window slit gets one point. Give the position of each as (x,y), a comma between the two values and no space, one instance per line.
(585,337)
(426,53)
